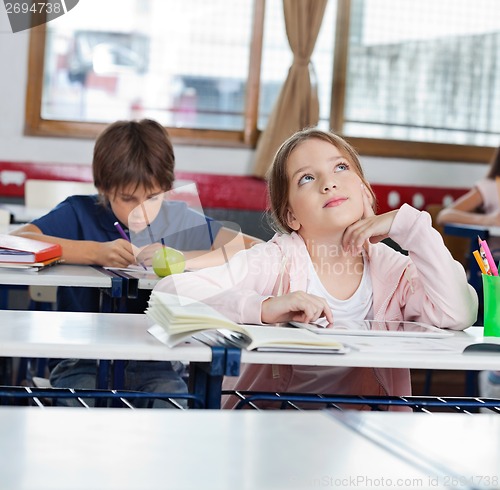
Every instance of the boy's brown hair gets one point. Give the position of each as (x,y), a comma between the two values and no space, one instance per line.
(278,182)
(133,154)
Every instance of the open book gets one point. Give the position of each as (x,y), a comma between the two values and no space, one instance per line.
(180,318)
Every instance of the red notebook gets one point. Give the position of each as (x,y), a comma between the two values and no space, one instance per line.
(25,250)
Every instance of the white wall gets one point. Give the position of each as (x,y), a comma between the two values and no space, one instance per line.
(14,146)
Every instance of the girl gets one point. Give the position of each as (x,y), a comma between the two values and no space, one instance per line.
(326,264)
(480,206)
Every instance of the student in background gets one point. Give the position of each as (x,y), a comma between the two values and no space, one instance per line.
(325,265)
(133,162)
(481,206)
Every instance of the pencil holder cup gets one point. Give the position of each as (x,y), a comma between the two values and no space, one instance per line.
(491,292)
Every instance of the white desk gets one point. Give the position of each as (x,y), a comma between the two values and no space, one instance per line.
(125,337)
(466,447)
(471,231)
(454,360)
(21,214)
(119,336)
(70,449)
(104,336)
(57,275)
(70,275)
(146,279)
(5,228)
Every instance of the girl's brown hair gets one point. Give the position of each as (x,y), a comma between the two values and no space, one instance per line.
(278,182)
(494,166)
(133,153)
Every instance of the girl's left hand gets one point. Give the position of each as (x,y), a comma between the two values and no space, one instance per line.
(369,227)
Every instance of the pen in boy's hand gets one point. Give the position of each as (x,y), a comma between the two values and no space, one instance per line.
(125,237)
(121,232)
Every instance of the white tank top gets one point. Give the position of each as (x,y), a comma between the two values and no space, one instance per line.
(358,306)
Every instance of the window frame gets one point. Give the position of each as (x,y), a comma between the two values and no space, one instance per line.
(36,126)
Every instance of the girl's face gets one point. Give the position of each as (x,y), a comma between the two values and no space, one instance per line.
(136,207)
(325,194)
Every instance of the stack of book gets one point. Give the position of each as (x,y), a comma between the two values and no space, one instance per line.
(24,253)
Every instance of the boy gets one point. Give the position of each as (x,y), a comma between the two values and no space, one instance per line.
(133,162)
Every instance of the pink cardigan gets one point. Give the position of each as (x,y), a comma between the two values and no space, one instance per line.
(428,286)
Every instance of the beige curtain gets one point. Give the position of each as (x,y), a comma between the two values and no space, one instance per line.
(297,105)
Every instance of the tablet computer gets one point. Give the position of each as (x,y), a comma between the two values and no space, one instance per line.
(377,328)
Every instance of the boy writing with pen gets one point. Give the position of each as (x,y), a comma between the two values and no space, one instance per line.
(122,233)
(133,162)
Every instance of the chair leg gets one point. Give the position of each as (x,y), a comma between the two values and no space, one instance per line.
(428,382)
(471,387)
(22,371)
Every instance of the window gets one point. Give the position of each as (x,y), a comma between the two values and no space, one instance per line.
(185,64)
(395,77)
(422,77)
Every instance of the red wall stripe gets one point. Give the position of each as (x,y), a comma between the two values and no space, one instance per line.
(216,191)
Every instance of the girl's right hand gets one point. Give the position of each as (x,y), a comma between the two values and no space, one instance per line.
(369,227)
(117,253)
(297,306)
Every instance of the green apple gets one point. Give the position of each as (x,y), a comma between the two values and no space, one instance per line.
(168,261)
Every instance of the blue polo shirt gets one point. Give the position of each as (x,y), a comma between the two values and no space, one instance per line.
(85,218)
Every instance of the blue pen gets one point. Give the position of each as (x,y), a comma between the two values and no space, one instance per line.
(125,237)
